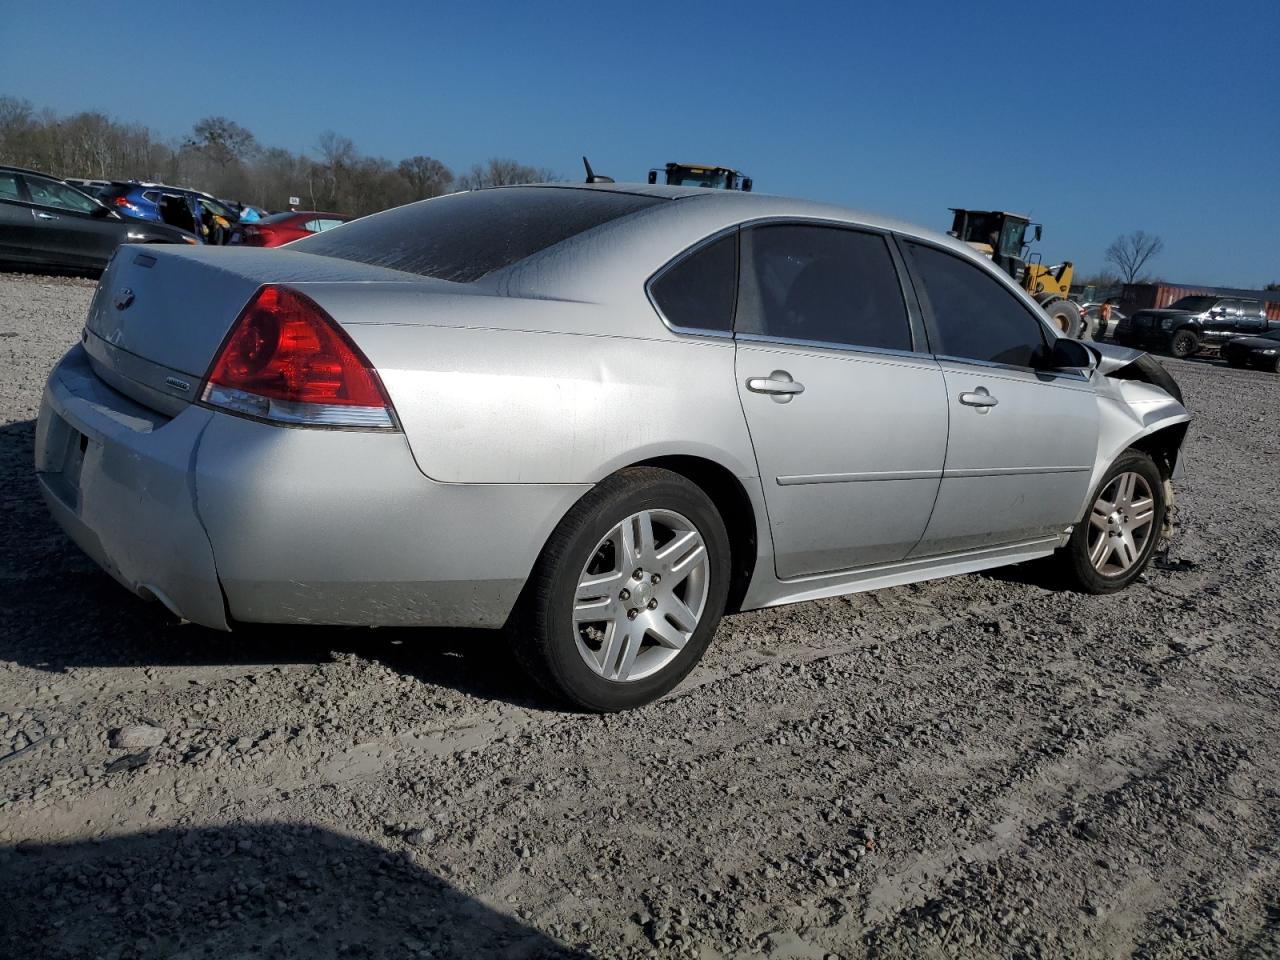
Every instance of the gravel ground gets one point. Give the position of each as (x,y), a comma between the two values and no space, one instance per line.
(983,766)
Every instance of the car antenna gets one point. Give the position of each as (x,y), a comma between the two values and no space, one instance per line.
(592,176)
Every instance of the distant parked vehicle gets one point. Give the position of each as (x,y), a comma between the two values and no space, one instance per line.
(213,219)
(280,228)
(1261,352)
(45,222)
(1098,321)
(92,187)
(1188,324)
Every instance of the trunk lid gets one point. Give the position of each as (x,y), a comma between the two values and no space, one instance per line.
(160,313)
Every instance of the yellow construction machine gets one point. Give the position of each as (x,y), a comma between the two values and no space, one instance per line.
(1002,236)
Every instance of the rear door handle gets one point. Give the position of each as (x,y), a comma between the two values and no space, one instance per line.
(779,384)
(43,216)
(980,398)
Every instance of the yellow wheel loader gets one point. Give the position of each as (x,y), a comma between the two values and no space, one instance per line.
(1002,236)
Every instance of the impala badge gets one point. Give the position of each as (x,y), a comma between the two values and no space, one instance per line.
(123,299)
(179,384)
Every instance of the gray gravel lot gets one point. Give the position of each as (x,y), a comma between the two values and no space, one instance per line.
(984,766)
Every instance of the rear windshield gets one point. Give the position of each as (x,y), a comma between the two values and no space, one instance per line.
(463,236)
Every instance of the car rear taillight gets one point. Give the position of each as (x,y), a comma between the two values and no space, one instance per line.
(122,202)
(285,360)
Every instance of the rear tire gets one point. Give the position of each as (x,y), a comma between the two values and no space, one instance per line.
(1184,344)
(1113,543)
(590,631)
(1065,315)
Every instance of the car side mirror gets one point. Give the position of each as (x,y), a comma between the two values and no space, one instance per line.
(1068,354)
(1038,229)
(746,184)
(101,213)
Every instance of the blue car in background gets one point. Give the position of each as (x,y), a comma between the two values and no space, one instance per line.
(178,206)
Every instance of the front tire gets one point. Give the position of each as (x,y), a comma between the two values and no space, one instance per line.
(1113,543)
(1184,344)
(627,593)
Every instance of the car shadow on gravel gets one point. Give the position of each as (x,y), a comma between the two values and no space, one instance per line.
(62,612)
(270,890)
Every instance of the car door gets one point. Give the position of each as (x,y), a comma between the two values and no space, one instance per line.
(72,229)
(846,410)
(1022,440)
(1220,320)
(1251,320)
(17,225)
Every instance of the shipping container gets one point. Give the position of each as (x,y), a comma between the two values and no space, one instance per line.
(1156,296)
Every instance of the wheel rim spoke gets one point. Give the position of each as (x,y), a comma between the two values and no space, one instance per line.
(1098,516)
(630,647)
(667,633)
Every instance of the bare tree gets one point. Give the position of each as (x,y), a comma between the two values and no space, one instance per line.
(426,176)
(1131,252)
(501,172)
(225,159)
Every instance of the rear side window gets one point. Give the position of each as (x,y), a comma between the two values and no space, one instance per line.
(698,290)
(51,194)
(825,284)
(8,186)
(974,316)
(463,236)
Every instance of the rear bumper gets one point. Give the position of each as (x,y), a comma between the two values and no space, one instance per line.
(289,525)
(116,476)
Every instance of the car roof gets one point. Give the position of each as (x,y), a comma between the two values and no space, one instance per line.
(35,173)
(747,206)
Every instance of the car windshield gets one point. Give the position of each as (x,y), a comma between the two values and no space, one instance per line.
(716,179)
(463,236)
(1194,304)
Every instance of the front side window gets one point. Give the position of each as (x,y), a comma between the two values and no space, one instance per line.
(825,284)
(698,291)
(50,193)
(975,317)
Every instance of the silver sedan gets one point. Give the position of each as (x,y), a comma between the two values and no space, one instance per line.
(600,416)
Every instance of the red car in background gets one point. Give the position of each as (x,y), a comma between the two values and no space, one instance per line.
(282,227)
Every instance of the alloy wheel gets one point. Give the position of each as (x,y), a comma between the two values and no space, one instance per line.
(641,595)
(1120,524)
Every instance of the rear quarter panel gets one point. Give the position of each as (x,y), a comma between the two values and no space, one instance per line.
(528,404)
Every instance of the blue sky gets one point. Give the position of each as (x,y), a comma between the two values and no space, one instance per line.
(1096,118)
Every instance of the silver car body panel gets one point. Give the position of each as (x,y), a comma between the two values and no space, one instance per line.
(519,391)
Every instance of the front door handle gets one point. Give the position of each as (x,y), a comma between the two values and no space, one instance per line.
(779,384)
(43,216)
(980,398)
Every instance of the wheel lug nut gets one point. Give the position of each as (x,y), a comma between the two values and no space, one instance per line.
(655,578)
(638,575)
(653,604)
(625,595)
(632,614)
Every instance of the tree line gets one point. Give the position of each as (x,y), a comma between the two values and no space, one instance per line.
(221,157)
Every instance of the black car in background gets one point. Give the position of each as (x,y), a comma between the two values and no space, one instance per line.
(1186,325)
(1261,352)
(47,223)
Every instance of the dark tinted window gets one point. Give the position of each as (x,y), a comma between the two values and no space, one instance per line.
(279,217)
(699,290)
(822,283)
(466,235)
(974,316)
